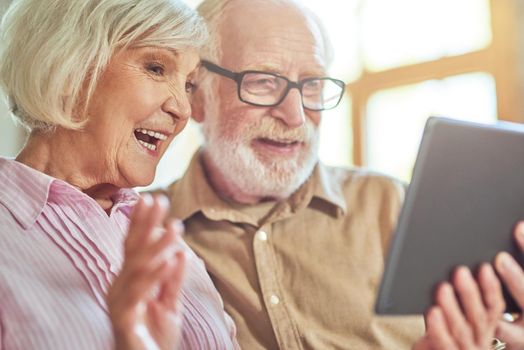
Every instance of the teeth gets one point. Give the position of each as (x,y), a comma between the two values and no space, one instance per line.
(160,136)
(147,145)
(152,133)
(285,141)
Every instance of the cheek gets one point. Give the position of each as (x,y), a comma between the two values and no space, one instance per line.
(314,117)
(239,121)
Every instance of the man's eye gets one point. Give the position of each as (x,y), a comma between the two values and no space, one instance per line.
(260,82)
(313,84)
(264,82)
(156,69)
(312,87)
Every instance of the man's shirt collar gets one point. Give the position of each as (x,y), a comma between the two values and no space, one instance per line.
(193,194)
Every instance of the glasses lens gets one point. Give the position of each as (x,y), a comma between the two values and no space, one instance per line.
(322,93)
(262,88)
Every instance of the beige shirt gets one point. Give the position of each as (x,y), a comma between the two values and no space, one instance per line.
(301,273)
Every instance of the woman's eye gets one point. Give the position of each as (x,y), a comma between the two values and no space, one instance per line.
(156,69)
(190,87)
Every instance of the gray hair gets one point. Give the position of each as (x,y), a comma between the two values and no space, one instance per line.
(213,12)
(54,51)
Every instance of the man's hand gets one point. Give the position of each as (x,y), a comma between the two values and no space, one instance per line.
(465,314)
(512,333)
(143,300)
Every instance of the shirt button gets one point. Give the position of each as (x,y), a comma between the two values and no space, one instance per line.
(274,299)
(261,236)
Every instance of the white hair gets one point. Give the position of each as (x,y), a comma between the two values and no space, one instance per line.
(54,51)
(214,12)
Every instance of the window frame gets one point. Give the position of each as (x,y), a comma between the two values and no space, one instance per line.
(498,59)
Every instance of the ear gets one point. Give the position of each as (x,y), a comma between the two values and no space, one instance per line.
(197,106)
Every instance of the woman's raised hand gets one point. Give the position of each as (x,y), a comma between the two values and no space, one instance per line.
(143,300)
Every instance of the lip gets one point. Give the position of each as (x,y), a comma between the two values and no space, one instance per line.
(278,148)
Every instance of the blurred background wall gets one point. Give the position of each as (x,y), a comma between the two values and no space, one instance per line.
(402,60)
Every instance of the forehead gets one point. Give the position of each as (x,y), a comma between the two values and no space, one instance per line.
(275,37)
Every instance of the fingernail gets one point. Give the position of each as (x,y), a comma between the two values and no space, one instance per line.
(162,201)
(464,272)
(147,199)
(505,262)
(178,226)
(488,269)
(446,288)
(520,230)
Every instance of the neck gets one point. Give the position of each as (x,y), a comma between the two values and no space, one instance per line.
(52,153)
(227,189)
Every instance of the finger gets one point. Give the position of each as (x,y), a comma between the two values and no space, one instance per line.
(139,213)
(170,291)
(166,325)
(489,308)
(480,319)
(149,217)
(472,303)
(137,216)
(491,293)
(139,286)
(142,262)
(519,235)
(511,333)
(454,317)
(438,333)
(512,275)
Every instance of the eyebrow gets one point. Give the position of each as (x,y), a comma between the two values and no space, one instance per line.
(159,50)
(270,68)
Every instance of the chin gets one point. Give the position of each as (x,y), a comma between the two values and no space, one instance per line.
(140,178)
(259,176)
(281,180)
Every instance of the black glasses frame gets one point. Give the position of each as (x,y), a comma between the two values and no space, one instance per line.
(239,76)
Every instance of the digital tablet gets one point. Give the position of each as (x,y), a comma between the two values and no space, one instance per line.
(465,197)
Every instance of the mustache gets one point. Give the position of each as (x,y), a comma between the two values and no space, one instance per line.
(269,128)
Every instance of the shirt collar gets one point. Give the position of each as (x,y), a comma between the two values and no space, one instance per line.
(193,194)
(328,182)
(27,191)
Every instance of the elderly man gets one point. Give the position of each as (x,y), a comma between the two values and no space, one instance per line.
(296,249)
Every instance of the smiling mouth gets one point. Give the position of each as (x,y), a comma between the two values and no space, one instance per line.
(149,139)
(279,143)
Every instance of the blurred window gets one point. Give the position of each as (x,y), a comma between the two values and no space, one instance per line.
(395,117)
(402,32)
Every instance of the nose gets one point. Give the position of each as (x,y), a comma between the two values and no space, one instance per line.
(290,110)
(178,106)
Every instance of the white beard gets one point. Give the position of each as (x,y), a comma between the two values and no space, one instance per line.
(257,176)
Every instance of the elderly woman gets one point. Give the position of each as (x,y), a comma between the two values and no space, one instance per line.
(103,87)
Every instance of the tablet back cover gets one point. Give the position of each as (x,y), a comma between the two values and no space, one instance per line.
(466,195)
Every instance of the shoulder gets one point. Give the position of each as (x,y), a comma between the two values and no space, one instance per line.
(365,182)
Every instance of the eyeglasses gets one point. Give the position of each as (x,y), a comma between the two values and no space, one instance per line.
(265,89)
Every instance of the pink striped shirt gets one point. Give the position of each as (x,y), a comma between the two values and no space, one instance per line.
(59,252)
